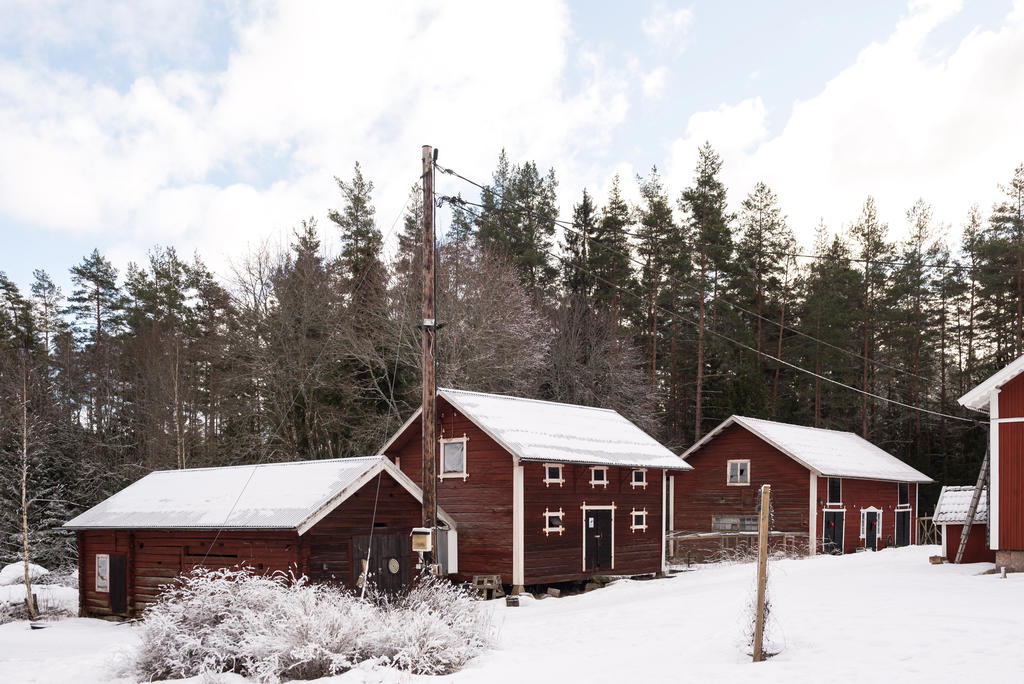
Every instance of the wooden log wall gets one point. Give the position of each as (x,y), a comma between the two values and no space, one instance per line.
(860,494)
(481,504)
(704,492)
(553,557)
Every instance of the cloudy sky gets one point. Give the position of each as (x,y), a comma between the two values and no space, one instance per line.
(213,127)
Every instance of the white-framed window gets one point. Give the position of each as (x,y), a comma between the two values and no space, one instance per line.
(103,573)
(638,519)
(734,523)
(553,474)
(738,472)
(453,458)
(835,490)
(554,521)
(638,478)
(904,494)
(598,476)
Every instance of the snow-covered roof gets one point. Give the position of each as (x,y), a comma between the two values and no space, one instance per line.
(953,503)
(293,496)
(978,397)
(549,432)
(829,453)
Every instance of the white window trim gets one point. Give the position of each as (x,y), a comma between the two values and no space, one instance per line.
(632,520)
(465,458)
(103,587)
(633,483)
(548,529)
(728,468)
(603,483)
(739,522)
(561,474)
(828,488)
(902,506)
(863,524)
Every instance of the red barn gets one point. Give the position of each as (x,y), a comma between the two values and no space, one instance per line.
(831,491)
(317,518)
(1002,397)
(951,516)
(545,492)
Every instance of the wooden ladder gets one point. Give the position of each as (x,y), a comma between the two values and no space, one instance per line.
(973,508)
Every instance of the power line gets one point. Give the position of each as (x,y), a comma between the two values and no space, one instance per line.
(758,352)
(714,298)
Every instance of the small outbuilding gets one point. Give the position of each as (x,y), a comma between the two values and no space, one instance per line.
(1002,397)
(831,491)
(951,516)
(545,492)
(313,518)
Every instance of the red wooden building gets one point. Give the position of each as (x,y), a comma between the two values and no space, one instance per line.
(545,492)
(951,515)
(831,491)
(317,518)
(1002,398)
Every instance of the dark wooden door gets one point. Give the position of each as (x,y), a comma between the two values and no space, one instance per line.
(871,530)
(902,528)
(118,584)
(598,540)
(390,565)
(832,537)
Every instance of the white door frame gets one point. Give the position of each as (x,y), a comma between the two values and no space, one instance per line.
(842,549)
(586,508)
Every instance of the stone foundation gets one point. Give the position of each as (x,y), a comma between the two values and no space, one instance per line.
(1013,561)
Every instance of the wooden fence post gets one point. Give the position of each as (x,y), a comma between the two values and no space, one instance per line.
(764,520)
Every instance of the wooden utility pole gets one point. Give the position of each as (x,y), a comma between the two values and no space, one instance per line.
(764,520)
(429,330)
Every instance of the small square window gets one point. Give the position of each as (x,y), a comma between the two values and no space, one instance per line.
(835,490)
(904,499)
(453,458)
(739,472)
(598,476)
(553,522)
(638,520)
(553,474)
(639,478)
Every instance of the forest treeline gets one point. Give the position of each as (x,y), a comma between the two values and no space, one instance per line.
(678,311)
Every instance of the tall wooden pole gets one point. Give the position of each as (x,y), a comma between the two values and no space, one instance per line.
(429,329)
(763,523)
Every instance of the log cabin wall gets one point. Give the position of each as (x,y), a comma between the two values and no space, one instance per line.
(481,504)
(556,557)
(326,549)
(858,495)
(156,557)
(704,492)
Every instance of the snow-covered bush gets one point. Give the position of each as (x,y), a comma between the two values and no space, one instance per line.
(275,627)
(15,572)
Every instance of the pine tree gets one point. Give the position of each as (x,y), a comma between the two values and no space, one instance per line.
(704,205)
(656,229)
(577,278)
(610,258)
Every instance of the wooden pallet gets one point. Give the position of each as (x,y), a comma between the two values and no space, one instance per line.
(488,586)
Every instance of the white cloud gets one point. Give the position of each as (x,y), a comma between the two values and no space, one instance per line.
(313,88)
(665,25)
(654,82)
(898,124)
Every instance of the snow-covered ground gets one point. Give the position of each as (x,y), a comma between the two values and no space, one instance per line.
(872,617)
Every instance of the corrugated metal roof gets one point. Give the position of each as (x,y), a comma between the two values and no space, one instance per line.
(549,432)
(829,453)
(265,496)
(978,397)
(953,503)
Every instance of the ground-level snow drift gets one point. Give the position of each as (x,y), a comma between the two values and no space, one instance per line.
(871,617)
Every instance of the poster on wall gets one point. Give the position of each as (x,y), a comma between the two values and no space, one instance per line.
(103,572)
